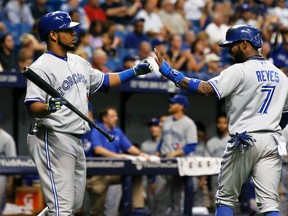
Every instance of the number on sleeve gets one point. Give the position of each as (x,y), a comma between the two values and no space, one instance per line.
(269,90)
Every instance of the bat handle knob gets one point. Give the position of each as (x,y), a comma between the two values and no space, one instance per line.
(111,138)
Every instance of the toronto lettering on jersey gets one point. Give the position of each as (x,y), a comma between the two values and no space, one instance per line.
(70,81)
(271,76)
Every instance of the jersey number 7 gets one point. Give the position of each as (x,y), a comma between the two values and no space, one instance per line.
(270,91)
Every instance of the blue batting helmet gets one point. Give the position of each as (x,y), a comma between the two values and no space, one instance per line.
(57,20)
(241,33)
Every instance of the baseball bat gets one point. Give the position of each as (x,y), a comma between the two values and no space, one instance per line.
(37,80)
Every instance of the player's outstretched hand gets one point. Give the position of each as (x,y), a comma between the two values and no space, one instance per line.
(159,58)
(144,67)
(54,105)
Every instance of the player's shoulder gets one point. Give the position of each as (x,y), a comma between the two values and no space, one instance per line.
(75,57)
(5,136)
(189,120)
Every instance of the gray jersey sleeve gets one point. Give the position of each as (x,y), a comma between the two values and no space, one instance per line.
(34,93)
(7,144)
(227,81)
(96,78)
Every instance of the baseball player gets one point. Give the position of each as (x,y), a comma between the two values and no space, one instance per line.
(7,149)
(178,138)
(256,94)
(54,143)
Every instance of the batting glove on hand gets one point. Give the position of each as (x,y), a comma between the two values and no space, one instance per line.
(54,104)
(142,68)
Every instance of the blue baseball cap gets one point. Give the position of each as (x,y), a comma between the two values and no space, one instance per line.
(153,122)
(157,42)
(180,99)
(130,57)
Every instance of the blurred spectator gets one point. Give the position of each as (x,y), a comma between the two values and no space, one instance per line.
(7,149)
(94,11)
(73,5)
(99,60)
(149,146)
(201,148)
(179,7)
(3,27)
(7,58)
(118,12)
(84,44)
(100,147)
(213,65)
(17,12)
(217,28)
(280,56)
(38,8)
(201,193)
(266,51)
(153,24)
(189,38)
(246,16)
(96,31)
(198,56)
(29,43)
(129,61)
(76,17)
(281,11)
(193,11)
(110,41)
(179,138)
(82,53)
(180,60)
(173,21)
(134,38)
(145,52)
(216,146)
(25,59)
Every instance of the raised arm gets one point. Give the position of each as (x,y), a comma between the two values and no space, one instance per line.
(190,84)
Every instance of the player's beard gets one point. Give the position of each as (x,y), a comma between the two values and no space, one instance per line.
(238,56)
(66,47)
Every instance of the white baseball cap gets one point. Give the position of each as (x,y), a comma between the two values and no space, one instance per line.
(212,57)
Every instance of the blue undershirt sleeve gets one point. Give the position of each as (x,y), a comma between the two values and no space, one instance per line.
(106,84)
(189,148)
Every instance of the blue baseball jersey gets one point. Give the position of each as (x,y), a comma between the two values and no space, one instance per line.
(94,138)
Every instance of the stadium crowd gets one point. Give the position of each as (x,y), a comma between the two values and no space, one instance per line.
(117,34)
(114,32)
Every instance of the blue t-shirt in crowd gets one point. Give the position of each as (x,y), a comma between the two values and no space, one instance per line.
(94,138)
(280,57)
(133,40)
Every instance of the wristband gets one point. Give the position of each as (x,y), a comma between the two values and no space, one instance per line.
(171,74)
(127,75)
(193,85)
(165,68)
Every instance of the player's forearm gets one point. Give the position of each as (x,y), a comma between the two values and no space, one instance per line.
(134,151)
(105,152)
(203,88)
(38,110)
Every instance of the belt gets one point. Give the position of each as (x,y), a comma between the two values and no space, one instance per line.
(78,136)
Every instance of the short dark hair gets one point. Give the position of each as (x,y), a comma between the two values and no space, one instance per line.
(104,112)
